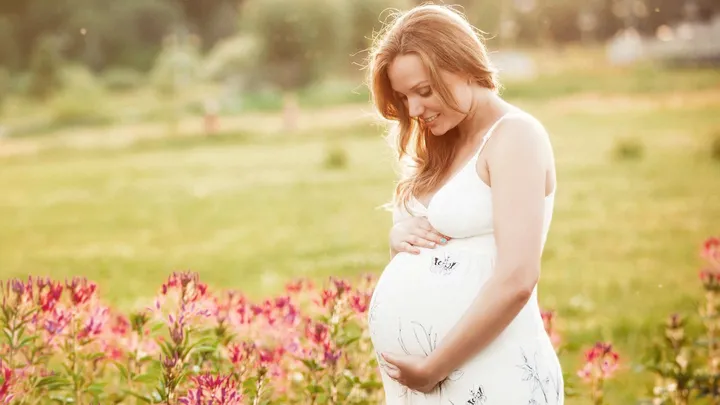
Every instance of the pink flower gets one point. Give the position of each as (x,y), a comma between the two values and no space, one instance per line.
(317,332)
(56,322)
(360,301)
(6,388)
(240,353)
(711,252)
(95,324)
(548,318)
(709,278)
(299,285)
(49,293)
(711,248)
(81,290)
(212,390)
(601,362)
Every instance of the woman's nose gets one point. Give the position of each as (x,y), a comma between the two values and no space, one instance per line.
(415,107)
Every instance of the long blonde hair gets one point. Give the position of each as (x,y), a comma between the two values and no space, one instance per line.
(444,40)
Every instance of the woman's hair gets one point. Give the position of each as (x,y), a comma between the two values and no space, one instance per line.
(444,40)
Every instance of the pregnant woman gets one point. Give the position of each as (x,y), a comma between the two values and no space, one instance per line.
(458,322)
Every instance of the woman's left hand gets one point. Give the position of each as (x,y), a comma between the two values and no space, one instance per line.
(412,372)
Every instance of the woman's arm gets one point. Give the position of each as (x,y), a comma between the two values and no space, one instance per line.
(518,163)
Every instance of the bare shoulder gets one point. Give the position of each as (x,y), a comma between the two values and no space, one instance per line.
(518,138)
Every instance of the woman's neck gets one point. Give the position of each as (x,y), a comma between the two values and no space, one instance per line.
(486,108)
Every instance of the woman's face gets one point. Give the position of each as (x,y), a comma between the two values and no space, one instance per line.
(411,82)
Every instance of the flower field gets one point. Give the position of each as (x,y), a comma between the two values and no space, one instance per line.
(310,345)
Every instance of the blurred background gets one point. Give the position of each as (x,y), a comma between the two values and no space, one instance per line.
(235,138)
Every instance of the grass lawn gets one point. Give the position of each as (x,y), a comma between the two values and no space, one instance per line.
(250,212)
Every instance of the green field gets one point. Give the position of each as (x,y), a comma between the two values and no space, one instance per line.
(249,210)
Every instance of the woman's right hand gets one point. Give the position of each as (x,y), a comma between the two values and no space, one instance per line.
(413,232)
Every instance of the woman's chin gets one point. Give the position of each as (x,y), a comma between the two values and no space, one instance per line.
(438,130)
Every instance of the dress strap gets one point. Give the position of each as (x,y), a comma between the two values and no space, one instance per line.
(490,131)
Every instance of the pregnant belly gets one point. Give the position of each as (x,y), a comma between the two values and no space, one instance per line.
(418,298)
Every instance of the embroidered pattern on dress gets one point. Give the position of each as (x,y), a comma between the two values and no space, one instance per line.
(541,386)
(477,396)
(427,340)
(372,316)
(442,265)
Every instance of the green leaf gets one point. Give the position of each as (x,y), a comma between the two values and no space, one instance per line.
(139,396)
(311,364)
(123,370)
(371,385)
(8,335)
(96,388)
(96,356)
(348,341)
(205,349)
(250,386)
(157,326)
(145,379)
(53,382)
(26,340)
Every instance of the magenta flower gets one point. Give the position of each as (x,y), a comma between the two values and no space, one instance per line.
(49,293)
(212,390)
(711,253)
(81,290)
(601,362)
(548,318)
(6,384)
(711,248)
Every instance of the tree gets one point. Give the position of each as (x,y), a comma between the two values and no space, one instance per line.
(45,68)
(367,18)
(297,40)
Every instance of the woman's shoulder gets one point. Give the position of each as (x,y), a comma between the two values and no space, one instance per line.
(519,120)
(520,133)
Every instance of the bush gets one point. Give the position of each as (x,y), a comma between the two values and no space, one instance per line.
(122,79)
(715,146)
(81,101)
(335,157)
(231,58)
(627,149)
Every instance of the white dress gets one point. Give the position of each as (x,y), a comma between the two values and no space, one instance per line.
(419,298)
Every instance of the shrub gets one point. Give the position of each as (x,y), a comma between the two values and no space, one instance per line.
(81,100)
(121,79)
(335,157)
(715,146)
(627,149)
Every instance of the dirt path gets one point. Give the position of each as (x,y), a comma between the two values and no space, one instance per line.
(328,118)
(121,136)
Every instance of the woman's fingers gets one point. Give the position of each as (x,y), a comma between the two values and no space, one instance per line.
(422,241)
(428,238)
(407,247)
(431,233)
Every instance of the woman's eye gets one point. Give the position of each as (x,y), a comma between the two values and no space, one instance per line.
(425,92)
